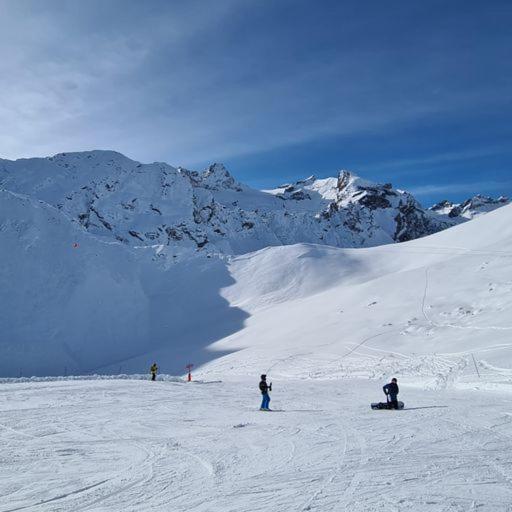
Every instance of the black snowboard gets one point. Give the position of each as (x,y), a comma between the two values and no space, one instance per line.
(385,405)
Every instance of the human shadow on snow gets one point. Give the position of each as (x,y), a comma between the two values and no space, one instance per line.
(426,407)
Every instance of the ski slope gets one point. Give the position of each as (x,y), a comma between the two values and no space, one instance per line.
(423,309)
(437,312)
(120,445)
(330,326)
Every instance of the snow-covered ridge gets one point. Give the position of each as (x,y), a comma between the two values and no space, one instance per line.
(209,212)
(471,208)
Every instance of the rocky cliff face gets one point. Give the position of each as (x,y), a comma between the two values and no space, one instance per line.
(370,213)
(209,212)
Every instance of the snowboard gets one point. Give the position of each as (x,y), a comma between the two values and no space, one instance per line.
(385,405)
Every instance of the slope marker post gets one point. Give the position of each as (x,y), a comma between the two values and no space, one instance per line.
(189,368)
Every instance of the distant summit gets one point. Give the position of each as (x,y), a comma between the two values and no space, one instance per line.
(209,212)
(470,208)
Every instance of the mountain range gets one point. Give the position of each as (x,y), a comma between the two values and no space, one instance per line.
(209,212)
(106,263)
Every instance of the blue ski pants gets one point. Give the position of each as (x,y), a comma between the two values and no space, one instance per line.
(266,401)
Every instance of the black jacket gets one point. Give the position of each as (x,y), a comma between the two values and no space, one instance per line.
(264,387)
(391,389)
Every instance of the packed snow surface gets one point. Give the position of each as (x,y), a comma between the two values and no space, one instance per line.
(137,446)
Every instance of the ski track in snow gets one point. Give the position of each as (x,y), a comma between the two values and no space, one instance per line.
(454,326)
(140,446)
(420,312)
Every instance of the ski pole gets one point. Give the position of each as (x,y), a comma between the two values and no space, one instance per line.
(476,367)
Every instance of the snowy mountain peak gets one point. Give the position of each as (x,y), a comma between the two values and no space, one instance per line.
(308,181)
(217,177)
(209,212)
(442,206)
(470,208)
(353,189)
(480,204)
(94,158)
(347,180)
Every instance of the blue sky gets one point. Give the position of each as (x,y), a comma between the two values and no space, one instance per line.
(415,93)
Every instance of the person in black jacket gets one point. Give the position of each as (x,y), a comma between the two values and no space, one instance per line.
(154,371)
(391,390)
(265,388)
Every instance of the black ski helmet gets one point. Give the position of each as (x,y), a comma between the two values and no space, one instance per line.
(263,377)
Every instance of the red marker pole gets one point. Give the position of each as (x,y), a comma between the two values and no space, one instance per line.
(189,368)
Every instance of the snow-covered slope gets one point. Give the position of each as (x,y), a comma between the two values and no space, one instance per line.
(421,309)
(72,303)
(125,445)
(210,212)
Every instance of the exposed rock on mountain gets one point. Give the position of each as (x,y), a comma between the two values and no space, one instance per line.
(186,211)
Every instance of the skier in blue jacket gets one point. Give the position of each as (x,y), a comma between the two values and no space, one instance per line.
(391,390)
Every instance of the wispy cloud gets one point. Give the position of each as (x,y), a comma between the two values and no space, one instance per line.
(460,188)
(192,81)
(408,165)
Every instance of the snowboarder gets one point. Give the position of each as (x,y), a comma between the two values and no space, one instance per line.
(265,388)
(391,392)
(153,370)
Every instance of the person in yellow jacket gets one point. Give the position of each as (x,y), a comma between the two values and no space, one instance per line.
(153,370)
